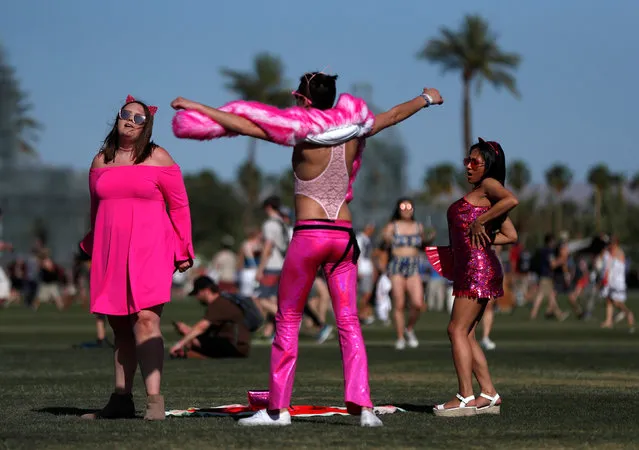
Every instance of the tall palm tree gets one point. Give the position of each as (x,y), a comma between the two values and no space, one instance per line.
(462,179)
(558,178)
(16,123)
(518,176)
(599,177)
(473,51)
(265,84)
(250,178)
(618,181)
(440,179)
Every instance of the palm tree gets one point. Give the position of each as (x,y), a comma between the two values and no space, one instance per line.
(618,180)
(250,178)
(599,177)
(440,179)
(558,178)
(518,176)
(474,52)
(462,179)
(264,84)
(17,126)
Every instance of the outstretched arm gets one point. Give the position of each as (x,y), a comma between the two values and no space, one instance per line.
(229,121)
(197,329)
(403,111)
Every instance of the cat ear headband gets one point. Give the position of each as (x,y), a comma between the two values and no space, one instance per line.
(130,99)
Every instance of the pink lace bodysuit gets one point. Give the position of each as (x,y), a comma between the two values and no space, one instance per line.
(329,188)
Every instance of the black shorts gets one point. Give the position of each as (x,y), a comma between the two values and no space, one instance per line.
(215,347)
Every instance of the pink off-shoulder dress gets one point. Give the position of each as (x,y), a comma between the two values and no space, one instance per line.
(134,243)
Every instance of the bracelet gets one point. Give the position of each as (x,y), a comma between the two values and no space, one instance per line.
(429,100)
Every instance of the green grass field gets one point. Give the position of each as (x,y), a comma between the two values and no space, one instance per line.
(565,385)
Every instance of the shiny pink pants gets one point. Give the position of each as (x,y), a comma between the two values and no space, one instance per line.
(309,250)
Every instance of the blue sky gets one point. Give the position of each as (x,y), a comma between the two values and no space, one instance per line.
(79,60)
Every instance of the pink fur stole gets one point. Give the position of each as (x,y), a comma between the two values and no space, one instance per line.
(287,127)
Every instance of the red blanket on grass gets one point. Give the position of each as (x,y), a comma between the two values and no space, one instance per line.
(296,411)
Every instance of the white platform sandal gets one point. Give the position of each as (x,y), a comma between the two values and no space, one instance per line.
(461,411)
(492,407)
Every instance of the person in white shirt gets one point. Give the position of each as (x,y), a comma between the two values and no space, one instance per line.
(365,273)
(5,283)
(614,284)
(383,304)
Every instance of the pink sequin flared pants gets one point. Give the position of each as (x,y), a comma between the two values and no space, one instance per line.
(315,244)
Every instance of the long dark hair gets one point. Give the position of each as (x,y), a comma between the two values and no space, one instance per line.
(143,146)
(397,213)
(495,168)
(319,88)
(494,160)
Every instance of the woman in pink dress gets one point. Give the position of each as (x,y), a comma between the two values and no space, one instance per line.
(135,248)
(475,223)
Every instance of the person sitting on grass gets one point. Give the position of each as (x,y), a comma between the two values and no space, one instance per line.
(224,331)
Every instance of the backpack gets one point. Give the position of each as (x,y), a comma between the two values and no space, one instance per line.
(253,318)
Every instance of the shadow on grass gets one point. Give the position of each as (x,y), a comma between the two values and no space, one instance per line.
(65,411)
(410,407)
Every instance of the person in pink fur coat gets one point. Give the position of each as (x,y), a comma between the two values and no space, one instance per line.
(323,234)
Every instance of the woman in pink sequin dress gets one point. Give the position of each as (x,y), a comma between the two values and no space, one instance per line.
(323,237)
(135,247)
(475,223)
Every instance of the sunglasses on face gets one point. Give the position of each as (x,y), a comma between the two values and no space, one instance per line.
(473,162)
(406,207)
(138,119)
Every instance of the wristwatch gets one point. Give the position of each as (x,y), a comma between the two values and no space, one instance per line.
(429,100)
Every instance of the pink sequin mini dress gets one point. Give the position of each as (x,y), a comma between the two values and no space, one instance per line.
(475,272)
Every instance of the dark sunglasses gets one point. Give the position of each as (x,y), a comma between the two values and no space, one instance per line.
(125,114)
(473,162)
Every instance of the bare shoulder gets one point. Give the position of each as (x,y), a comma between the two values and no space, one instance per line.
(160,157)
(493,189)
(98,161)
(389,227)
(490,184)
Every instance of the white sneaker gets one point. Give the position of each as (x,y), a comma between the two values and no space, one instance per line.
(325,333)
(370,320)
(487,344)
(264,418)
(620,316)
(411,338)
(369,419)
(400,344)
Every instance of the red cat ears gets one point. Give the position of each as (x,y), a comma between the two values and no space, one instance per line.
(152,109)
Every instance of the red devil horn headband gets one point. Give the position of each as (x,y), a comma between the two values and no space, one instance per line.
(481,141)
(130,99)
